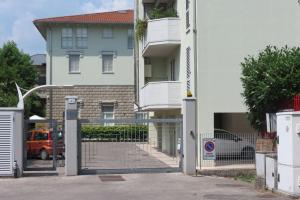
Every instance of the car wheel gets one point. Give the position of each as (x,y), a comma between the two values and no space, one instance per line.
(44,154)
(248,153)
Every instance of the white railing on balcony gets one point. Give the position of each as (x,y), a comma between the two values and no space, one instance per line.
(161,95)
(162,31)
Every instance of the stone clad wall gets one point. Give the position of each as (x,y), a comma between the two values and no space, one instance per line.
(92,97)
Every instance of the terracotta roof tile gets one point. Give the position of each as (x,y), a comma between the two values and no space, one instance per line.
(122,17)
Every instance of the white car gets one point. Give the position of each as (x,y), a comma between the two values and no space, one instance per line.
(230,145)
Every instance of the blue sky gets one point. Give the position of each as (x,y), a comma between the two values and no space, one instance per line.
(16,17)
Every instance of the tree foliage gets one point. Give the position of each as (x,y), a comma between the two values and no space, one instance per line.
(269,80)
(16,67)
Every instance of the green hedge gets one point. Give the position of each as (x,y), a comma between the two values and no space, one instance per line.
(127,133)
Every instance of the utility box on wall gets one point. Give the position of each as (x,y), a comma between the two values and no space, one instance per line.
(288,131)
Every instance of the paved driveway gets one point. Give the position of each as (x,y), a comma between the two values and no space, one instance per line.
(172,186)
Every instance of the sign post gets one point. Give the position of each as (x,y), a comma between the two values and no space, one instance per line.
(209,149)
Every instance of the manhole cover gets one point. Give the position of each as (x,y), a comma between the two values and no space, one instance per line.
(111,178)
(222,196)
(266,196)
(230,185)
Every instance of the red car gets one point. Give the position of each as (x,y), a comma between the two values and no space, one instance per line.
(40,144)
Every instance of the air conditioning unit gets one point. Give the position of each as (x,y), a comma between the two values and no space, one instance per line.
(148,71)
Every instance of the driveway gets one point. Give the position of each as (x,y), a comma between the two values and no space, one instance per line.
(172,186)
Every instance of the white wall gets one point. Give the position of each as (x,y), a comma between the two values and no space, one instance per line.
(90,63)
(228,31)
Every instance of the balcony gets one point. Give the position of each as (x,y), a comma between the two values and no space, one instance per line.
(162,37)
(161,95)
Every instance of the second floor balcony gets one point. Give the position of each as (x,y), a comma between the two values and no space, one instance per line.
(161,95)
(162,37)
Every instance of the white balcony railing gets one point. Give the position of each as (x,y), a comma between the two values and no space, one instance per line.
(162,36)
(161,95)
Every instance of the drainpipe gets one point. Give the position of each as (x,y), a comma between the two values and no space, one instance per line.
(198,161)
(136,60)
(50,78)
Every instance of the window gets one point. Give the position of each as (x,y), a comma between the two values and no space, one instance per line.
(67,38)
(107,33)
(81,38)
(187,5)
(74,63)
(108,113)
(143,116)
(107,63)
(130,39)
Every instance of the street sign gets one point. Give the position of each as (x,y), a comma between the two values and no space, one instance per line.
(209,149)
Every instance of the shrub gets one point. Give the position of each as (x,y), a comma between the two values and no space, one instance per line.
(115,133)
(141,26)
(270,80)
(157,13)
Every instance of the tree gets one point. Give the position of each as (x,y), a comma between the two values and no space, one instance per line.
(16,67)
(270,80)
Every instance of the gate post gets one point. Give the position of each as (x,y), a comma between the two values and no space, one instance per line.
(71,114)
(189,136)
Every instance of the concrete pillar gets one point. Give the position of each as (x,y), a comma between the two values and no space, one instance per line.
(189,136)
(71,151)
(19,140)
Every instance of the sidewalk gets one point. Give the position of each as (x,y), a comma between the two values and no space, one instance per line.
(173,186)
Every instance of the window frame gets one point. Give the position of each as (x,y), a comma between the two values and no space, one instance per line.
(104,114)
(68,38)
(74,72)
(105,55)
(130,39)
(107,37)
(82,37)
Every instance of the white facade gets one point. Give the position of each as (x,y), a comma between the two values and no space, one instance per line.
(229,31)
(220,35)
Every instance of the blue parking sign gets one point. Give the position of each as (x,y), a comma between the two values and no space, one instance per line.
(209,149)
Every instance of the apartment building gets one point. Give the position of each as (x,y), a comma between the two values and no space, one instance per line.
(94,53)
(198,50)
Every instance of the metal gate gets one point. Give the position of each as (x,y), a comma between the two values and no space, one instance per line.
(43,145)
(130,145)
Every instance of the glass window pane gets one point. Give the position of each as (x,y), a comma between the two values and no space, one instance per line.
(130,39)
(67,38)
(107,63)
(81,37)
(107,33)
(73,63)
(108,108)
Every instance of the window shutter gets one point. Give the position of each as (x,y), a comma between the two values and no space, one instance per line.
(6,143)
(188,69)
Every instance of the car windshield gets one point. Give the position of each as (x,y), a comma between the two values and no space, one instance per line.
(41,136)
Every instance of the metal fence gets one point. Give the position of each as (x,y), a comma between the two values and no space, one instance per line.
(124,145)
(225,150)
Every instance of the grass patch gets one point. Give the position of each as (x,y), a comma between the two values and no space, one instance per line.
(246,178)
